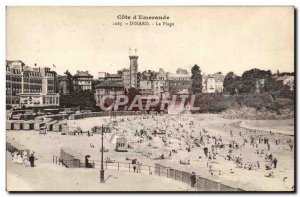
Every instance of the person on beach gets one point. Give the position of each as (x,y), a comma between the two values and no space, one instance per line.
(275,162)
(31,160)
(270,175)
(138,169)
(19,159)
(24,155)
(15,157)
(45,130)
(134,164)
(205,149)
(26,162)
(291,146)
(193,179)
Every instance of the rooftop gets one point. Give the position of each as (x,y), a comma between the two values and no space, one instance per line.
(83,74)
(110,84)
(113,76)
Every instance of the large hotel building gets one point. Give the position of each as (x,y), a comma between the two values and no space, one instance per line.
(30,86)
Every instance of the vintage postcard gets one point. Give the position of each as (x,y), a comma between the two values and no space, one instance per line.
(135,99)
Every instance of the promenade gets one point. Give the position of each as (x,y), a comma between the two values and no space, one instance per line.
(51,177)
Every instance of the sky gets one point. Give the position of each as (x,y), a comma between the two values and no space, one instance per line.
(218,39)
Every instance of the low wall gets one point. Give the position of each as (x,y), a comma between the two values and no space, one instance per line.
(70,159)
(202,184)
(99,114)
(13,146)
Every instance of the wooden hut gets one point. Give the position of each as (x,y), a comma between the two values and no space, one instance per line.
(64,129)
(18,125)
(49,125)
(9,125)
(39,125)
(28,125)
(58,126)
(121,144)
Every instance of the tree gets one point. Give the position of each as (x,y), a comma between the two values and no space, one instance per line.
(120,72)
(132,92)
(251,79)
(85,99)
(271,85)
(196,79)
(228,82)
(232,83)
(139,76)
(70,87)
(256,74)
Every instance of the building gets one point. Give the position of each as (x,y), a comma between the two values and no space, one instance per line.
(130,76)
(287,80)
(219,82)
(213,83)
(179,82)
(102,75)
(146,82)
(209,84)
(126,78)
(259,85)
(83,80)
(49,95)
(108,88)
(14,80)
(181,71)
(133,71)
(63,85)
(154,83)
(114,77)
(160,83)
(31,87)
(146,87)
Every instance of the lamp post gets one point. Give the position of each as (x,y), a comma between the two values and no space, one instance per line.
(102,149)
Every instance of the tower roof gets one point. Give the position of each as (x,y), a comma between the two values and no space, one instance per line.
(133,57)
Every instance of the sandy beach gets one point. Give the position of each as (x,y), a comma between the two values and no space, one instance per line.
(180,141)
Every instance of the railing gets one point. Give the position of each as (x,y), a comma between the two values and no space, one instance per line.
(70,163)
(202,184)
(124,166)
(121,166)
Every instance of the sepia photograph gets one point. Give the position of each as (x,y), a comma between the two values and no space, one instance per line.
(150,99)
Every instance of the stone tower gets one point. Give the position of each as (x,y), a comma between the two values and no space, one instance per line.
(133,70)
